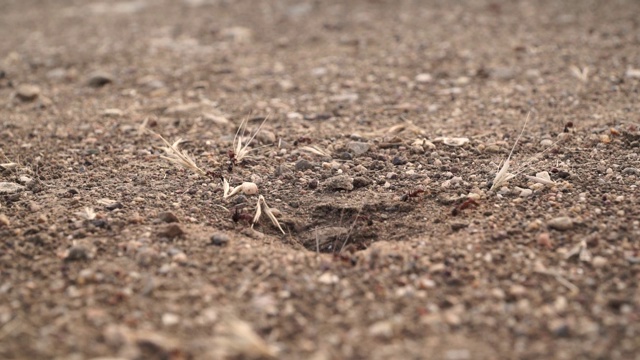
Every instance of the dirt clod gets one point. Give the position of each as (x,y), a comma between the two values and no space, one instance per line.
(170,231)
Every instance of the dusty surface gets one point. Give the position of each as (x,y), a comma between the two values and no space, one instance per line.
(527,271)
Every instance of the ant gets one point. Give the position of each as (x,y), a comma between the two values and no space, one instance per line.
(464,205)
(567,126)
(239,215)
(411,194)
(214,174)
(232,160)
(302,140)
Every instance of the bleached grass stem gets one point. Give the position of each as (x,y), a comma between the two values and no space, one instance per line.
(241,151)
(503,175)
(180,157)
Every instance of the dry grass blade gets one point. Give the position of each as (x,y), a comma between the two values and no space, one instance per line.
(87,213)
(238,339)
(581,74)
(9,166)
(541,180)
(396,129)
(180,157)
(267,210)
(503,175)
(242,151)
(315,150)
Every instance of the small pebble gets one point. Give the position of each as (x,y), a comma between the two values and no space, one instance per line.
(424,78)
(599,261)
(77,253)
(361,181)
(219,239)
(328,278)
(544,240)
(346,156)
(169,319)
(99,79)
(313,184)
(457,226)
(113,206)
(517,290)
(525,192)
(358,148)
(340,182)
(546,142)
(180,258)
(9,188)
(4,220)
(303,165)
(27,92)
(171,231)
(397,161)
(562,223)
(167,217)
(631,171)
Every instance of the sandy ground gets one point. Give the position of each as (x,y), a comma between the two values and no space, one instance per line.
(387,122)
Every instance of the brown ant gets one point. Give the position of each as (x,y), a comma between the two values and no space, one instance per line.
(302,140)
(239,215)
(464,205)
(232,160)
(411,194)
(568,126)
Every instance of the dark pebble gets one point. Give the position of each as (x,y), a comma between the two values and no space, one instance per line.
(240,199)
(100,223)
(303,165)
(116,205)
(77,253)
(171,231)
(99,79)
(346,156)
(313,184)
(457,226)
(397,161)
(361,181)
(219,239)
(167,217)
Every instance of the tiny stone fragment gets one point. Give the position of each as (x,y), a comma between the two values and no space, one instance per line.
(171,231)
(546,142)
(457,226)
(219,239)
(4,220)
(303,165)
(27,92)
(328,278)
(562,223)
(168,217)
(99,79)
(10,188)
(599,261)
(397,161)
(544,240)
(424,78)
(361,181)
(76,253)
(340,182)
(25,180)
(113,206)
(346,156)
(358,148)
